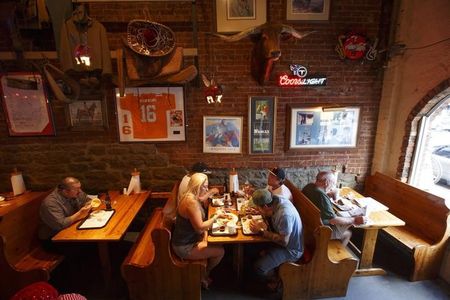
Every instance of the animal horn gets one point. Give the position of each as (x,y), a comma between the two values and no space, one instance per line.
(295,33)
(239,36)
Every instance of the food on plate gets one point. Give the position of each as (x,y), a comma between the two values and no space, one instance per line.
(246,223)
(224,218)
(96,202)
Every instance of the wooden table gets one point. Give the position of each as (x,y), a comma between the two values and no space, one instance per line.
(126,208)
(237,240)
(377,221)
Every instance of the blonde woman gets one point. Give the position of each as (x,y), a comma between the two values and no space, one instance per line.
(187,238)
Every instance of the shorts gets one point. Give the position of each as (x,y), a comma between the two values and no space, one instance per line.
(338,231)
(183,251)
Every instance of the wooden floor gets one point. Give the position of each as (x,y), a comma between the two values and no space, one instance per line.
(86,279)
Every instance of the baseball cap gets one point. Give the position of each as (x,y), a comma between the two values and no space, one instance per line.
(262,197)
(279,173)
(200,167)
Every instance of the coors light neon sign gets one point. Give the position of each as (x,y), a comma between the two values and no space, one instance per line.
(299,78)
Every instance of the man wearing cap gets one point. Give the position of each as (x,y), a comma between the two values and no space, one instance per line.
(287,234)
(275,184)
(318,193)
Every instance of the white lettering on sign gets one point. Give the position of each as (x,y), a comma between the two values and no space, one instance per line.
(286,80)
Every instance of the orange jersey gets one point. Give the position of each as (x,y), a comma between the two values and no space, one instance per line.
(148,113)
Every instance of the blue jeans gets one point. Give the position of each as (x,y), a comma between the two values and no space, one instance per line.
(274,257)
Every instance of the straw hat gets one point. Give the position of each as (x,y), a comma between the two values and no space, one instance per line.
(150,38)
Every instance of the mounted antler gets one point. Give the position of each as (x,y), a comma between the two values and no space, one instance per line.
(267,46)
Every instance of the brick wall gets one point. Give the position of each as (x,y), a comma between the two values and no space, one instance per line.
(352,83)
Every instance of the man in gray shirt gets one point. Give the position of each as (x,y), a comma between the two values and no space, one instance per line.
(62,207)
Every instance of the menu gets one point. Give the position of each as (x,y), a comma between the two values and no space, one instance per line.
(97,219)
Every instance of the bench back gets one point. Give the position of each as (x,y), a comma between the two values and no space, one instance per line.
(152,270)
(19,227)
(309,214)
(422,211)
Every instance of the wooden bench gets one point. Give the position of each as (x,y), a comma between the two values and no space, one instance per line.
(326,266)
(22,258)
(152,271)
(427,222)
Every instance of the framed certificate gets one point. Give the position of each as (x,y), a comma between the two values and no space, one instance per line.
(26,105)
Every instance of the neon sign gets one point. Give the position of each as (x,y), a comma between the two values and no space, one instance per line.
(299,78)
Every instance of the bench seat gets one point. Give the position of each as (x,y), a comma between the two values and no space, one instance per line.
(152,271)
(326,267)
(425,236)
(23,261)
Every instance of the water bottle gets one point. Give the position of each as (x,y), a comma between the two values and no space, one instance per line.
(108,202)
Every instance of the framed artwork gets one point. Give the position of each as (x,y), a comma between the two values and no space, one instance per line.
(262,112)
(25,104)
(87,115)
(222,134)
(238,15)
(151,114)
(307,10)
(323,127)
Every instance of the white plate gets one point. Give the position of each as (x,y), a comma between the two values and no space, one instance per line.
(2,198)
(225,218)
(245,221)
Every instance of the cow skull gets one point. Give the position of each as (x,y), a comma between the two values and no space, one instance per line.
(266,49)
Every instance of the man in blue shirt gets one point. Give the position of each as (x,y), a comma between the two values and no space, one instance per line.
(287,234)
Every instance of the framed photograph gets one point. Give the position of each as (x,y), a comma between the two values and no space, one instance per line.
(307,10)
(323,127)
(222,134)
(87,115)
(262,112)
(238,15)
(151,114)
(25,104)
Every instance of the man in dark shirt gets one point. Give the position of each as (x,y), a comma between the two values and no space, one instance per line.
(318,193)
(62,207)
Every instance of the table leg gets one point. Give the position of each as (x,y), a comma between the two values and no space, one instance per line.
(103,253)
(238,261)
(367,251)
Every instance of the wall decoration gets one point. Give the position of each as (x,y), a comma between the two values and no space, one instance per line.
(262,112)
(323,127)
(151,114)
(26,105)
(222,134)
(300,77)
(266,40)
(317,10)
(356,46)
(88,114)
(237,15)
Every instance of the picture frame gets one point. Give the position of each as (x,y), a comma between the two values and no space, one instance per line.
(26,106)
(151,114)
(222,134)
(236,15)
(322,127)
(262,112)
(87,115)
(318,10)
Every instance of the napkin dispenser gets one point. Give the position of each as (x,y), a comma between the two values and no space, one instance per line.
(233,182)
(18,185)
(135,183)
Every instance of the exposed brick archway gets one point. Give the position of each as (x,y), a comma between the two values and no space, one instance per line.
(421,109)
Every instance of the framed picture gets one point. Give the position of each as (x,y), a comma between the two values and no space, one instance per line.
(87,115)
(307,10)
(262,112)
(238,15)
(25,104)
(151,114)
(323,127)
(222,134)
